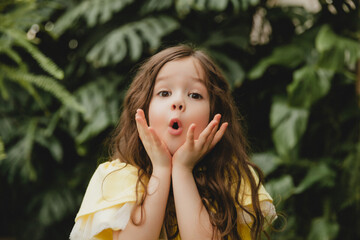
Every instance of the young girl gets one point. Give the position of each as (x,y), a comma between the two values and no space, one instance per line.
(179,164)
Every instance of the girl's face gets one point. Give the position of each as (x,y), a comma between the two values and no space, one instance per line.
(180,98)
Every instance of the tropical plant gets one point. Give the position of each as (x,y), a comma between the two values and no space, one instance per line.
(293,70)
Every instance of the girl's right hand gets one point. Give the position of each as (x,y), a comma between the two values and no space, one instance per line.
(154,146)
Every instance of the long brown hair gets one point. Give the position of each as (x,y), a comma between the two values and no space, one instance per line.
(219,174)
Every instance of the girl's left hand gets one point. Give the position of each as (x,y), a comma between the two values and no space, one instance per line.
(193,150)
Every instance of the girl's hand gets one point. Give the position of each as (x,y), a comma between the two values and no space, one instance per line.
(154,146)
(192,150)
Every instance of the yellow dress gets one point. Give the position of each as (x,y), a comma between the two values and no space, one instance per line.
(111,195)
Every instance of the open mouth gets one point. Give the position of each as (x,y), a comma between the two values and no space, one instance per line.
(175,126)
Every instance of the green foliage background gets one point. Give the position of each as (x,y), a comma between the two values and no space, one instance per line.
(66,64)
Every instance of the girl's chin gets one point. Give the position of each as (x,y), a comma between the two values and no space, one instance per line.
(173,148)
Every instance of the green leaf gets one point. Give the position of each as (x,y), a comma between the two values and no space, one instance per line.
(308,86)
(44,62)
(326,39)
(101,108)
(321,228)
(289,56)
(183,7)
(46,83)
(280,188)
(318,173)
(336,52)
(18,160)
(93,11)
(98,124)
(53,205)
(267,161)
(218,5)
(288,125)
(233,70)
(113,48)
(155,5)
(52,144)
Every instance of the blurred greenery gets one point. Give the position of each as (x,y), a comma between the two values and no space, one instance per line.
(294,70)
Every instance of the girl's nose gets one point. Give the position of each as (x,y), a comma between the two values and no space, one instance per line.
(178,106)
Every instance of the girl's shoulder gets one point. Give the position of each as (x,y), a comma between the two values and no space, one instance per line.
(116,165)
(112,183)
(245,190)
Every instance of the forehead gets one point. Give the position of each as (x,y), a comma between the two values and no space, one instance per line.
(188,67)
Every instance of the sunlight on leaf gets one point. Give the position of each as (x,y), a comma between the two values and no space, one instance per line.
(267,161)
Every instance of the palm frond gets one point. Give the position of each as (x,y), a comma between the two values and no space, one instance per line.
(129,39)
(93,11)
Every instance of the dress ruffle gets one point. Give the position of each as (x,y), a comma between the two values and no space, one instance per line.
(108,201)
(100,224)
(267,209)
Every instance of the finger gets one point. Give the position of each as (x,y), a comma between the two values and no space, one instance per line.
(219,134)
(190,134)
(141,125)
(208,130)
(211,136)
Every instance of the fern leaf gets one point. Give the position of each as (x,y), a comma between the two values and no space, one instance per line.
(11,54)
(22,14)
(46,83)
(114,47)
(93,11)
(15,16)
(45,63)
(32,91)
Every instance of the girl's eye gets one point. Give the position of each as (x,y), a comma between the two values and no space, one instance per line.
(164,94)
(195,95)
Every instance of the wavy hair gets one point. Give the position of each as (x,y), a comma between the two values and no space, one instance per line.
(219,174)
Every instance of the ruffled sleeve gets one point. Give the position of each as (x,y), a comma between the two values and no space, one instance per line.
(266,205)
(108,202)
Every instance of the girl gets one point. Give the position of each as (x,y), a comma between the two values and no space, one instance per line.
(179,161)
